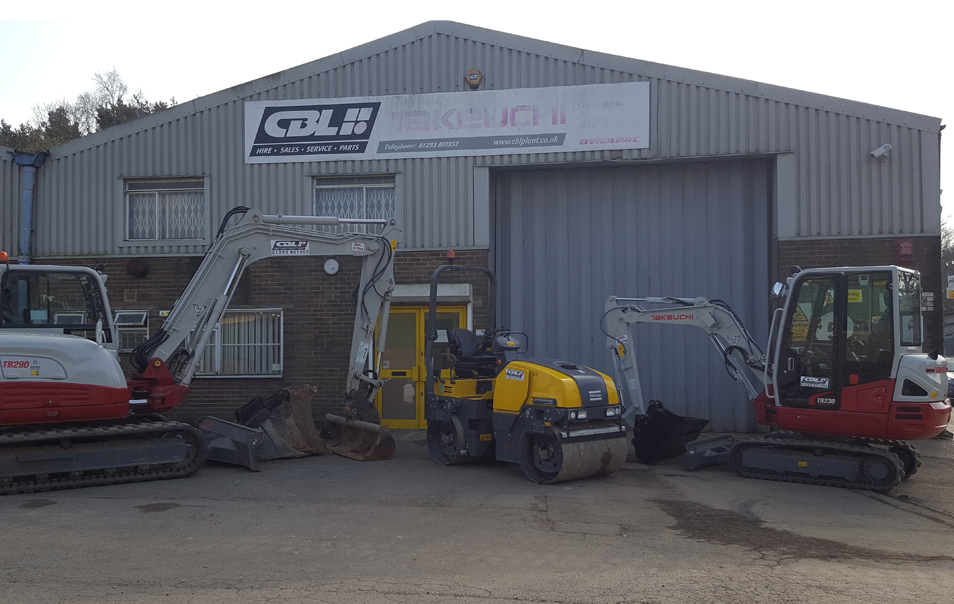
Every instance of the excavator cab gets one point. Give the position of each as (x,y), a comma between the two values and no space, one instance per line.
(849,358)
(69,300)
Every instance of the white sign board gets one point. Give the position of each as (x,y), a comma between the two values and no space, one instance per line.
(490,122)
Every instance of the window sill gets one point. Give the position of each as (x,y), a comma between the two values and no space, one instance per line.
(239,377)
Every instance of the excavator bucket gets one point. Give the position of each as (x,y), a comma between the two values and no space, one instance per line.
(661,434)
(357,439)
(277,427)
(287,420)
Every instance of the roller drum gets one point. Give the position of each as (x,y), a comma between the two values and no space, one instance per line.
(548,459)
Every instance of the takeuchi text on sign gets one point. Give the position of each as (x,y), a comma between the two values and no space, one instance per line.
(491,122)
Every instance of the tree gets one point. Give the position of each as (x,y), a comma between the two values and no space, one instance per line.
(61,121)
(120,112)
(947,261)
(60,127)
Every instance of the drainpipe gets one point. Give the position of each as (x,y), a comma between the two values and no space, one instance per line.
(29,163)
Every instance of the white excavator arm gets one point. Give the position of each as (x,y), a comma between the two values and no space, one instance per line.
(256,236)
(745,361)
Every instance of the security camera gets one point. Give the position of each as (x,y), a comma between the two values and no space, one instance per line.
(882,150)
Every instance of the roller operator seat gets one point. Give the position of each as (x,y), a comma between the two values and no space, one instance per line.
(472,358)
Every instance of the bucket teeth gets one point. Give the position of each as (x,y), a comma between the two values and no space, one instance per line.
(356,439)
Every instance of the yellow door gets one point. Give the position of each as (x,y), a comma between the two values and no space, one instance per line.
(401,399)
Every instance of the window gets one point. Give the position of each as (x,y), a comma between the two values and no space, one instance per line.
(246,343)
(70,301)
(909,300)
(133,327)
(165,210)
(354,198)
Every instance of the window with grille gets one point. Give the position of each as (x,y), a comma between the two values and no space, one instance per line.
(133,328)
(354,198)
(165,210)
(246,343)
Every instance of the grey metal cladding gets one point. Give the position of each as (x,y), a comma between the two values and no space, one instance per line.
(568,239)
(10,196)
(840,190)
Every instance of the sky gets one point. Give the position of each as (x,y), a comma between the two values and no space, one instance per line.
(893,54)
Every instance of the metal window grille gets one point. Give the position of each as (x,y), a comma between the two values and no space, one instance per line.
(353,200)
(166,210)
(133,328)
(246,343)
(130,337)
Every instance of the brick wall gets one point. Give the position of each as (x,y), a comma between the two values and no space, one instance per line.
(317,312)
(873,252)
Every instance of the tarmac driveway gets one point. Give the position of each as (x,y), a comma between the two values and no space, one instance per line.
(329,529)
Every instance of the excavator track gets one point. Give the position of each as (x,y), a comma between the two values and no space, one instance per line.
(68,457)
(852,466)
(906,452)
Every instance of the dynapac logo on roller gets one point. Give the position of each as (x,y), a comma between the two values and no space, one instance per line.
(672,317)
(315,129)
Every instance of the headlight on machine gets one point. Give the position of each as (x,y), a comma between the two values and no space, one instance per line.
(581,414)
(612,412)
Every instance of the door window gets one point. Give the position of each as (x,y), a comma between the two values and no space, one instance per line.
(401,399)
(869,350)
(399,363)
(809,344)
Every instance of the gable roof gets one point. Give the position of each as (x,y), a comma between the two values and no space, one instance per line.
(491,37)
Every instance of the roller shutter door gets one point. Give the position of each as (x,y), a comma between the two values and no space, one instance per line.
(564,240)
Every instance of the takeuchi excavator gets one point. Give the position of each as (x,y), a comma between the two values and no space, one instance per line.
(844,384)
(69,417)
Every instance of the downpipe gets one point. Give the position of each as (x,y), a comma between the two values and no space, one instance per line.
(30,164)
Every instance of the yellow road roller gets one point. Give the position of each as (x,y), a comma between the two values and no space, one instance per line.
(558,420)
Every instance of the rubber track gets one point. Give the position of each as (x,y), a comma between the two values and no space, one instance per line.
(93,478)
(864,450)
(897,444)
(882,443)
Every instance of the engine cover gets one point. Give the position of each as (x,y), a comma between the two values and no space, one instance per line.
(551,382)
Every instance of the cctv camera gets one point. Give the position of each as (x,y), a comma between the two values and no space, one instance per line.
(882,150)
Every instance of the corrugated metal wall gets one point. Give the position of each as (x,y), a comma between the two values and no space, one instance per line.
(841,190)
(568,239)
(9,204)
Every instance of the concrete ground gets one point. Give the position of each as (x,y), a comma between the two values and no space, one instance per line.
(329,529)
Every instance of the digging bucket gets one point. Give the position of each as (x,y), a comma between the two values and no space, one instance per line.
(661,434)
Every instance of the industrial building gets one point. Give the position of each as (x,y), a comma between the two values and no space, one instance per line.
(574,175)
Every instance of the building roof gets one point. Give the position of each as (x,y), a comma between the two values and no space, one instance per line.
(590,58)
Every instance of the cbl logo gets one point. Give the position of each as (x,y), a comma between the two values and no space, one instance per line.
(290,248)
(317,123)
